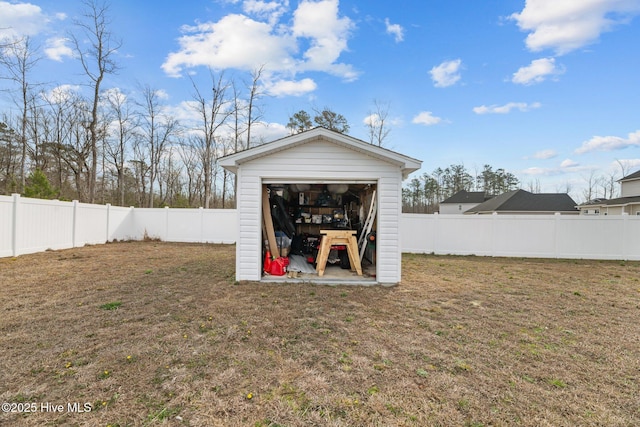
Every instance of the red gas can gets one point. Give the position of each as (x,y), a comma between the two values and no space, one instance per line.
(279,267)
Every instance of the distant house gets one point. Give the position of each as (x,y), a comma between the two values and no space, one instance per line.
(628,203)
(462,201)
(524,202)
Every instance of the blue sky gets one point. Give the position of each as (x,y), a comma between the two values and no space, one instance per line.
(546,89)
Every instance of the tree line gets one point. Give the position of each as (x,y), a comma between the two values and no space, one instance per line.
(107,146)
(423,194)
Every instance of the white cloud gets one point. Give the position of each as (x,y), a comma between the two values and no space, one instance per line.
(60,94)
(162,94)
(447,73)
(371,119)
(505,109)
(537,171)
(328,33)
(568,163)
(21,19)
(268,40)
(56,49)
(609,143)
(374,119)
(566,25)
(537,71)
(236,41)
(290,87)
(268,131)
(395,30)
(567,166)
(269,10)
(545,154)
(426,118)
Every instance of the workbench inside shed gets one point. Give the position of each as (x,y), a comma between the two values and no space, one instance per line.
(299,216)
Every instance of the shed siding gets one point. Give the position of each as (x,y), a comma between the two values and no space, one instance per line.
(319,160)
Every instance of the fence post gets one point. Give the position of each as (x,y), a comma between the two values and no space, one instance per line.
(108,218)
(166,228)
(556,232)
(14,225)
(74,223)
(201,224)
(625,230)
(494,218)
(436,230)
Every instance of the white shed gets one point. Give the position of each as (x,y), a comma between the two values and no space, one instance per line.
(310,160)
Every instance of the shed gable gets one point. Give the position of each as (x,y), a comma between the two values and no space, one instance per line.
(318,159)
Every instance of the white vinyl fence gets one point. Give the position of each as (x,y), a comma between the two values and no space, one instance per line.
(538,236)
(34,225)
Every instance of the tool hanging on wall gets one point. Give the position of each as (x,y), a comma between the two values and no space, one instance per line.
(362,240)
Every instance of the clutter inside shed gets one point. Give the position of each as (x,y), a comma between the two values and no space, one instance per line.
(316,230)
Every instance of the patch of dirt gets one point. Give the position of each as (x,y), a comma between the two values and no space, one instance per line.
(151,333)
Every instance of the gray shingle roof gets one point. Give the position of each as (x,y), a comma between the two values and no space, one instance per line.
(612,202)
(464,196)
(524,201)
(635,175)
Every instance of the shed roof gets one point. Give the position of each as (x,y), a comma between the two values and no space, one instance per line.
(524,201)
(406,163)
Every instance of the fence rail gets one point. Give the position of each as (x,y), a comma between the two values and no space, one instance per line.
(34,225)
(537,236)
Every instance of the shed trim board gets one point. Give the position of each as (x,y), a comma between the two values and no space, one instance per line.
(319,156)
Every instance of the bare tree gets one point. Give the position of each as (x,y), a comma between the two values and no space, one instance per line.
(377,123)
(534,186)
(96,49)
(157,129)
(190,160)
(254,113)
(624,168)
(590,191)
(123,127)
(19,58)
(55,123)
(214,113)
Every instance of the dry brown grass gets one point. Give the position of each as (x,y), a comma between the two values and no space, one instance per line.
(462,341)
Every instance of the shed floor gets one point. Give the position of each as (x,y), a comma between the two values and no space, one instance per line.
(333,274)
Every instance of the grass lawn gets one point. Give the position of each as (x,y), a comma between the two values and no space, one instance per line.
(150,333)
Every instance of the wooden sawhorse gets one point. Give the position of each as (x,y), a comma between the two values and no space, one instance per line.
(338,237)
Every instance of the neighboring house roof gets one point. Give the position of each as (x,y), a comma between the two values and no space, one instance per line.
(633,176)
(406,164)
(523,201)
(464,196)
(620,201)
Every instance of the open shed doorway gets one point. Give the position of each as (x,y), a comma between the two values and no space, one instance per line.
(296,217)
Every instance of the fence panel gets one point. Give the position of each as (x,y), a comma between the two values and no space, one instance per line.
(523,235)
(539,236)
(91,224)
(121,224)
(33,225)
(458,236)
(6,226)
(220,225)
